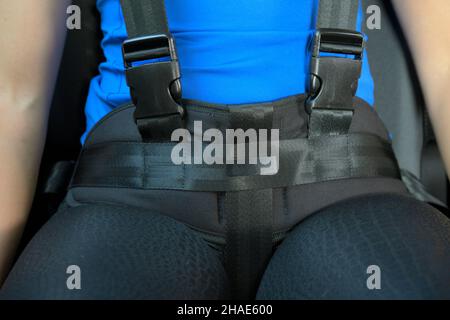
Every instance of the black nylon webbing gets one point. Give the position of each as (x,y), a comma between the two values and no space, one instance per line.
(248,218)
(301,161)
(418,190)
(145,17)
(334,14)
(337,14)
(329,122)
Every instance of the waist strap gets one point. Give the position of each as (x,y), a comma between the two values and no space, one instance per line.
(301,161)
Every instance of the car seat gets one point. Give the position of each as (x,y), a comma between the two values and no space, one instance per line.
(81,57)
(400,103)
(397,95)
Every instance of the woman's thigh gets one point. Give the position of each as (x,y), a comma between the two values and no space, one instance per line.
(117,253)
(372,247)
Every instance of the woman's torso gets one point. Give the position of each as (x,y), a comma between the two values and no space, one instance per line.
(230,51)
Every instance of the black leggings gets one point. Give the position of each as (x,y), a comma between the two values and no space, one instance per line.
(125,253)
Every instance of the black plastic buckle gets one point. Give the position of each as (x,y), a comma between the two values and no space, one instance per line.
(334,80)
(155,86)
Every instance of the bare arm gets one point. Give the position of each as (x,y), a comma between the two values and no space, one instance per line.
(426,25)
(31,39)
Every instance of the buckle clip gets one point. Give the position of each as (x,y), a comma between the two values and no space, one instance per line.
(155,86)
(334,80)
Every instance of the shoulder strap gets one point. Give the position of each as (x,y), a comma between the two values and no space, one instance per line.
(340,14)
(334,78)
(152,69)
(156,89)
(145,17)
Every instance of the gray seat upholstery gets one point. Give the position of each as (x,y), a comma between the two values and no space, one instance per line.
(399,101)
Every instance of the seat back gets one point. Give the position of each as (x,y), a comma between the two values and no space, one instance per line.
(81,57)
(400,103)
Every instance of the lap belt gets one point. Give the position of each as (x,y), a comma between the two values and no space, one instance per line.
(301,161)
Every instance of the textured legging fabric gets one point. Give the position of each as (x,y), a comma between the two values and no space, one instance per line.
(125,253)
(327,256)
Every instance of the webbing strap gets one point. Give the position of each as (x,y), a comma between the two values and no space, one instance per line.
(337,14)
(301,161)
(145,17)
(334,79)
(418,190)
(155,86)
(248,218)
(329,122)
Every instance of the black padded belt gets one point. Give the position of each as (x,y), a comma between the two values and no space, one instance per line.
(235,202)
(287,115)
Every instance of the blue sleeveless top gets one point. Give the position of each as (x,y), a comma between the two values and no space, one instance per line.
(230,52)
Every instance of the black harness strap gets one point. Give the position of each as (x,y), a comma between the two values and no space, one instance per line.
(334,80)
(340,14)
(418,190)
(249,230)
(145,17)
(155,85)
